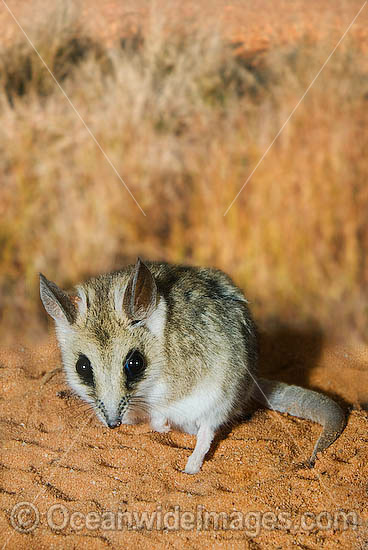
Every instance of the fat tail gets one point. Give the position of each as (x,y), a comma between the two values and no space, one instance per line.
(307,404)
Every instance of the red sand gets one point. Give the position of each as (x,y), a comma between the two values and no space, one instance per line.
(55,453)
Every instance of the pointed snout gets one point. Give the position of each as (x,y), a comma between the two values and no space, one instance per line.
(114,423)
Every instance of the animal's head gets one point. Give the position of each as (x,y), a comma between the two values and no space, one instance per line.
(110,333)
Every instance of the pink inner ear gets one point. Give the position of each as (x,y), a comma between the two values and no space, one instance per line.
(140,295)
(75,300)
(57,302)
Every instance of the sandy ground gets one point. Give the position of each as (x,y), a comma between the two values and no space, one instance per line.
(57,456)
(55,453)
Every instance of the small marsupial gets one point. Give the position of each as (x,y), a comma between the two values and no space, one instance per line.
(175,345)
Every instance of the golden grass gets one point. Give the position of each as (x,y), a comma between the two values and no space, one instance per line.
(185,121)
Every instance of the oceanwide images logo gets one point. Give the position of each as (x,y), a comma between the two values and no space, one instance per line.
(25,518)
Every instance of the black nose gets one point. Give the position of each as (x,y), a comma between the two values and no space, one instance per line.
(114,424)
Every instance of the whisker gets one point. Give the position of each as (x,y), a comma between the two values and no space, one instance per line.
(154,402)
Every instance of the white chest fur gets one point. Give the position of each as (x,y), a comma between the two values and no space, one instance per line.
(204,405)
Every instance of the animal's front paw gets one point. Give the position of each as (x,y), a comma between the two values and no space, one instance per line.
(160,425)
(162,429)
(192,466)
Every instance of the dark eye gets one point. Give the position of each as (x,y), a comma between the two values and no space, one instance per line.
(134,365)
(84,369)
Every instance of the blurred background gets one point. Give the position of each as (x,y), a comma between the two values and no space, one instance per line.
(184,98)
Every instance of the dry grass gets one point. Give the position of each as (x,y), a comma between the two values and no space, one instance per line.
(185,121)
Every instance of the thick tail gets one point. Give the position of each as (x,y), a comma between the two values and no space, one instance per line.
(303,403)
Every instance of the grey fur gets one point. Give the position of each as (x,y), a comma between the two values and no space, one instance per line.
(200,343)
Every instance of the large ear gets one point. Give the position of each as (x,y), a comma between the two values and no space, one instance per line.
(57,303)
(140,296)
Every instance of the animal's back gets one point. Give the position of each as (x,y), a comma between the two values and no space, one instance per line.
(208,327)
